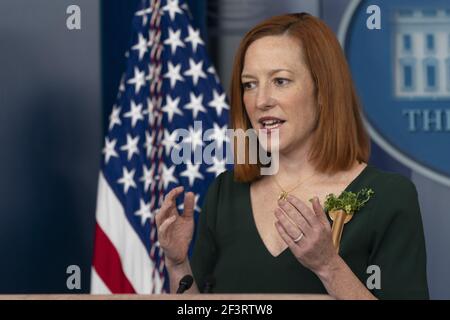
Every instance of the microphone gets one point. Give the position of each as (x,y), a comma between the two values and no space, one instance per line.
(185,283)
(209,284)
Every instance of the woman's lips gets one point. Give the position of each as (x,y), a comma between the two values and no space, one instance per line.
(267,128)
(268,124)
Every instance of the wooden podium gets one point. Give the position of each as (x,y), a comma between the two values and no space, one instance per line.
(167,297)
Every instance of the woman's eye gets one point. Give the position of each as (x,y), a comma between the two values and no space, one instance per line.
(248,85)
(281,81)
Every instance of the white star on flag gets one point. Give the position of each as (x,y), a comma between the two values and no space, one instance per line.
(127,179)
(219,134)
(151,73)
(169,141)
(138,80)
(131,146)
(194,38)
(148,144)
(171,107)
(195,138)
(192,173)
(195,104)
(173,7)
(122,87)
(152,38)
(114,118)
(174,40)
(110,149)
(217,167)
(144,14)
(218,102)
(212,71)
(135,113)
(147,177)
(141,46)
(168,175)
(195,71)
(174,74)
(149,111)
(144,212)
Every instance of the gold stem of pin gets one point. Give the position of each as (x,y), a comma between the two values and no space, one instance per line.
(336,229)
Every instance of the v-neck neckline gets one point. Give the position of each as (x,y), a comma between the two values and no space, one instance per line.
(259,240)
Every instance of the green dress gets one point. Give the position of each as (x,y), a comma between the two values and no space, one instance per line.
(386,232)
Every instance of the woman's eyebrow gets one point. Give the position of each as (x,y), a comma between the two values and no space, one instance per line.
(245,75)
(271,72)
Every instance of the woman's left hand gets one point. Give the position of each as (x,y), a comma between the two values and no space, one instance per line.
(307,233)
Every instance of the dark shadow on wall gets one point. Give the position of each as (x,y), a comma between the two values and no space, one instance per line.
(49,134)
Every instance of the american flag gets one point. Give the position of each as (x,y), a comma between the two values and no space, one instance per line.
(168,84)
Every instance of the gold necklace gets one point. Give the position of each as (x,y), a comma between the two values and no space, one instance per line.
(284,194)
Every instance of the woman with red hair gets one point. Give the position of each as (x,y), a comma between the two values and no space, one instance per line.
(259,233)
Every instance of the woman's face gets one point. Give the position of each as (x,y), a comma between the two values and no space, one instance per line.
(279,91)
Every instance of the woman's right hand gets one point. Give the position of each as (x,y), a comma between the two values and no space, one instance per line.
(175,231)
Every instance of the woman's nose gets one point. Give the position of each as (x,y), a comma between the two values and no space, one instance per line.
(264,99)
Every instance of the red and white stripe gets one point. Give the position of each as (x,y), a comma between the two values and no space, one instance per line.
(121,261)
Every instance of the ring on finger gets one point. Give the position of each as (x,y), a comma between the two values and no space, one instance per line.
(299,237)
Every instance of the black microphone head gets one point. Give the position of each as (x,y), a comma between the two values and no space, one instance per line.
(187,281)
